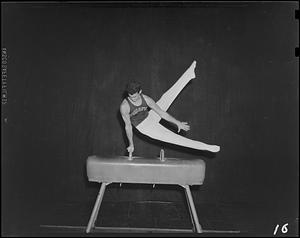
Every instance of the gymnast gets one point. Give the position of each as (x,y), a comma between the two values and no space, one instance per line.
(134,111)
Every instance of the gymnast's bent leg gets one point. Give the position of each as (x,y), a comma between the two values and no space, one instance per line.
(159,132)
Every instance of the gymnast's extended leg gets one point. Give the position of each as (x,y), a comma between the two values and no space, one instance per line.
(159,132)
(169,96)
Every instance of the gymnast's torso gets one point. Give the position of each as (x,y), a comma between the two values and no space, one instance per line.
(138,113)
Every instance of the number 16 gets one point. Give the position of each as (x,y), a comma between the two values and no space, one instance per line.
(284,228)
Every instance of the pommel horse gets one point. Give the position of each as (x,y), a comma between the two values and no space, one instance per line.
(121,169)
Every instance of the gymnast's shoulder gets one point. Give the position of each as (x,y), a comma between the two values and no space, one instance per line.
(148,99)
(124,106)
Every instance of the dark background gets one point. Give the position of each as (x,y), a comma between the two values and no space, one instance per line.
(67,69)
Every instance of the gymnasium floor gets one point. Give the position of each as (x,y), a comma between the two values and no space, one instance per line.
(65,219)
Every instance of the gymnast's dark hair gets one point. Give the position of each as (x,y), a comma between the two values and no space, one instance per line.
(133,87)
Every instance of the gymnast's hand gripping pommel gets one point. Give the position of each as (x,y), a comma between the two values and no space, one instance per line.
(134,112)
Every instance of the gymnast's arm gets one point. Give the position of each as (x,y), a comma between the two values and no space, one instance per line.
(124,109)
(163,114)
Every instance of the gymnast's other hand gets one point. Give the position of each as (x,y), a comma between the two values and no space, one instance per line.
(130,149)
(183,126)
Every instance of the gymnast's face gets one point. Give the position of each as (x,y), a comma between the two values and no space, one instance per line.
(136,96)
